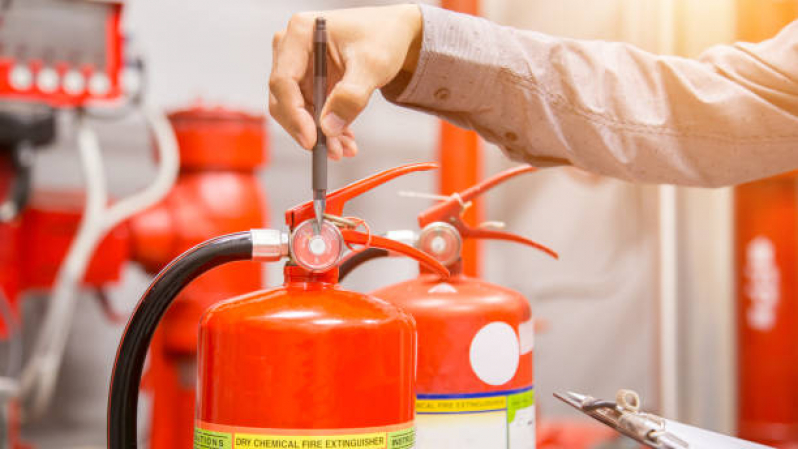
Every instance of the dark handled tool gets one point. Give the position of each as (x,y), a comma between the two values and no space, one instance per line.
(319,97)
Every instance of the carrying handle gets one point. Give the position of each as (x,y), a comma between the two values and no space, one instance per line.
(376,241)
(337,199)
(450,211)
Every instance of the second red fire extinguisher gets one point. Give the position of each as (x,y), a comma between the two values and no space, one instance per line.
(305,365)
(475,384)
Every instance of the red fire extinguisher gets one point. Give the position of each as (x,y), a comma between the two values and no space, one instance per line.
(305,365)
(475,385)
(766,216)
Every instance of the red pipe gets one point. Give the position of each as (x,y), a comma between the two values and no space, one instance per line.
(461,160)
(766,235)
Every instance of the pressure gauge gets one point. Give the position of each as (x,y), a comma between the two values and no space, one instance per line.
(441,241)
(317,251)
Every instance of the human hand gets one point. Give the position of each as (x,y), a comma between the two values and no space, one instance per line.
(367,48)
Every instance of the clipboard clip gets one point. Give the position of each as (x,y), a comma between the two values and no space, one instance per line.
(624,416)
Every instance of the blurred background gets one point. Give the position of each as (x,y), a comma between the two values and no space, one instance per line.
(645,293)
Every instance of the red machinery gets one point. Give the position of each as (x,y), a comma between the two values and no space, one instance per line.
(21,130)
(304,365)
(45,224)
(475,376)
(74,58)
(767,314)
(48,224)
(217,192)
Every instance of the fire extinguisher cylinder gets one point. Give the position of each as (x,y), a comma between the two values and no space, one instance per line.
(475,380)
(336,366)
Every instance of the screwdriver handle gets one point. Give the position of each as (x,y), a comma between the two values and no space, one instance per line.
(319,98)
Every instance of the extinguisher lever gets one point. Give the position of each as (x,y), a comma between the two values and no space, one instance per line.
(452,208)
(375,241)
(450,211)
(478,233)
(337,199)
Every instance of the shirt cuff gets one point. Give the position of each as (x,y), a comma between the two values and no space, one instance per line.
(456,64)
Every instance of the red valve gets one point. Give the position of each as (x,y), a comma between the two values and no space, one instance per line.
(450,211)
(337,199)
(335,206)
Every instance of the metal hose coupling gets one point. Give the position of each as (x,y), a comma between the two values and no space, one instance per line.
(269,245)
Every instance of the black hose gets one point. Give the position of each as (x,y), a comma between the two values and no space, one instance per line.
(19,193)
(23,162)
(126,378)
(358,259)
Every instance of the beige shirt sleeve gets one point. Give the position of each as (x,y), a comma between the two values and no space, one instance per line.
(729,117)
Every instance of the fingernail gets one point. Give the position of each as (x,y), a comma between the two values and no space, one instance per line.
(305,142)
(333,125)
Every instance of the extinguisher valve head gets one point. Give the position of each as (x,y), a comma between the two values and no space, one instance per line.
(269,245)
(442,241)
(316,251)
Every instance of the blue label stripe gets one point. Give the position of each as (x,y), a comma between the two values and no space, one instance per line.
(474,395)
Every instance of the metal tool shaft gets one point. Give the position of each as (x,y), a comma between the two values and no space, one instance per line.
(319,97)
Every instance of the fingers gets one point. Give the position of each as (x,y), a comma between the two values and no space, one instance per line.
(342,146)
(293,117)
(278,36)
(289,86)
(335,150)
(347,99)
(349,143)
(292,51)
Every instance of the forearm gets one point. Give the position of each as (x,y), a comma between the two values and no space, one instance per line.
(609,107)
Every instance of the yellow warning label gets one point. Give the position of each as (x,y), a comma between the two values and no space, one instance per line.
(247,439)
(205,439)
(508,400)
(362,441)
(461,405)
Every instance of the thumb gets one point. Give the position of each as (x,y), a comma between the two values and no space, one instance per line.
(346,101)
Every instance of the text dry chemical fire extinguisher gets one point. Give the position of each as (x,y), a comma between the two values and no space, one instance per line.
(475,380)
(305,365)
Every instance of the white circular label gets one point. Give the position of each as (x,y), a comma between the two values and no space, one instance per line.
(47,80)
(20,78)
(438,244)
(317,245)
(99,84)
(74,83)
(495,353)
